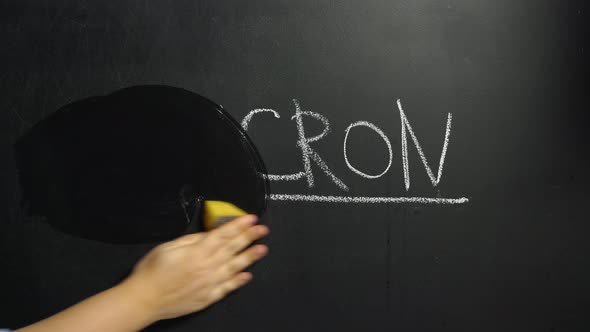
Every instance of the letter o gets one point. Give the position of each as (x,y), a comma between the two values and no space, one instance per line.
(378,131)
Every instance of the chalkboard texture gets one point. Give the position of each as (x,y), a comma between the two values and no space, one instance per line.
(428,159)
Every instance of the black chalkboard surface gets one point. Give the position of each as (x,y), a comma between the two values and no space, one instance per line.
(428,159)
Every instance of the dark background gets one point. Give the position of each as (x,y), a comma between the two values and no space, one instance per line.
(512,73)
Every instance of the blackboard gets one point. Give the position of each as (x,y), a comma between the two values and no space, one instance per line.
(495,240)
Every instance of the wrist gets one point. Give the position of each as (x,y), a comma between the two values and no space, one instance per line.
(138,300)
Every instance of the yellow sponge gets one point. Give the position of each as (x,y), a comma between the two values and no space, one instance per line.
(217,213)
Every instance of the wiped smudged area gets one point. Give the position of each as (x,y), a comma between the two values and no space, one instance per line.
(131,167)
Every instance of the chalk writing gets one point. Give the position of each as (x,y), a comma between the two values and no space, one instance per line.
(366,200)
(378,131)
(406,126)
(309,155)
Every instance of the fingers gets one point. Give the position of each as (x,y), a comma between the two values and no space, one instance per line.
(242,261)
(218,237)
(226,246)
(230,285)
(240,242)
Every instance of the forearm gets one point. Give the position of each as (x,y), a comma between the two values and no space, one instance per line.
(116,309)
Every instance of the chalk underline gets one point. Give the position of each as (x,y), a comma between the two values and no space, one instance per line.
(360,199)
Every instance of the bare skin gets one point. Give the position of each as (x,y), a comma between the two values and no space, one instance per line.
(174,279)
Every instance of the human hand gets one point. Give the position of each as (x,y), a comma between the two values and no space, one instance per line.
(192,272)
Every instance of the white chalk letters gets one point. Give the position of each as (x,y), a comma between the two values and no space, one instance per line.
(309,155)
